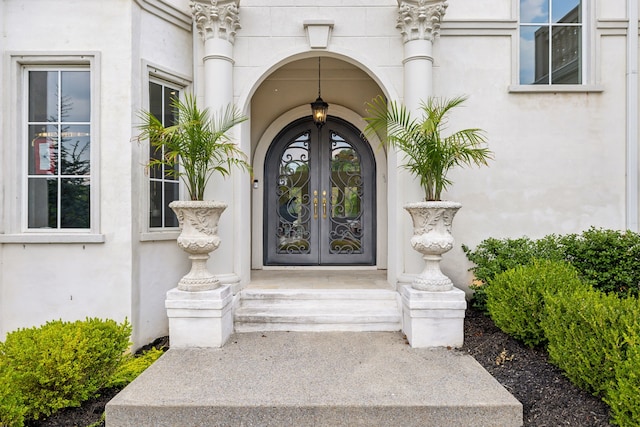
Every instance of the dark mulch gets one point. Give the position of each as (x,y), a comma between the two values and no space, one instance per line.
(548,398)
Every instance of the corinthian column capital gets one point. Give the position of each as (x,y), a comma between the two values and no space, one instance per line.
(216,18)
(420,19)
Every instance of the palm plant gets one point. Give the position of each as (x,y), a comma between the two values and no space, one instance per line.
(428,154)
(196,146)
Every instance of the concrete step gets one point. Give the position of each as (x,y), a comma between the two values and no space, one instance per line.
(314,379)
(318,310)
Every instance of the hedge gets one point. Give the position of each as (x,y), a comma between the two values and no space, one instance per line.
(516,298)
(609,260)
(58,365)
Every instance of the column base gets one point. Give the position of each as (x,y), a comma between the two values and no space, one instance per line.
(199,319)
(433,319)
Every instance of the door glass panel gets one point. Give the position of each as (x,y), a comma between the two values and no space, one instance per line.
(293,233)
(345,233)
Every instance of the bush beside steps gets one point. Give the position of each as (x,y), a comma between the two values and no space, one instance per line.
(62,364)
(594,337)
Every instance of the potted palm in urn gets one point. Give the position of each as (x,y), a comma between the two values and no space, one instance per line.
(194,149)
(429,155)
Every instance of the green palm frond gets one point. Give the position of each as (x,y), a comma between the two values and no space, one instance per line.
(428,154)
(197,146)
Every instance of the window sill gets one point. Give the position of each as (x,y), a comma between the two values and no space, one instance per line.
(52,238)
(153,236)
(555,88)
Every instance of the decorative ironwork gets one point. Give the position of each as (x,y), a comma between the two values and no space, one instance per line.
(293,233)
(346,228)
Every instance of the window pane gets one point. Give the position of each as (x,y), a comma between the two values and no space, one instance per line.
(534,11)
(155,100)
(155,204)
(75,100)
(170,114)
(75,150)
(171,194)
(164,185)
(534,55)
(566,45)
(43,96)
(43,203)
(566,11)
(74,203)
(43,150)
(59,153)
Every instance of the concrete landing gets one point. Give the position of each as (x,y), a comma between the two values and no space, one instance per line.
(314,379)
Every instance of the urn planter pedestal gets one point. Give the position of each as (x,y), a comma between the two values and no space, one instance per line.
(199,236)
(199,308)
(432,308)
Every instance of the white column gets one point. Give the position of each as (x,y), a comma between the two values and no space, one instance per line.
(418,73)
(429,318)
(217,22)
(205,318)
(419,24)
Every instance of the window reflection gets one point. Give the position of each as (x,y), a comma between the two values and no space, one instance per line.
(59,152)
(164,185)
(555,59)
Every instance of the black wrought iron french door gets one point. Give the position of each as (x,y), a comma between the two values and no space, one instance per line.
(319,194)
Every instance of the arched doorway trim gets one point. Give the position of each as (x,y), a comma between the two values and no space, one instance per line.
(258,169)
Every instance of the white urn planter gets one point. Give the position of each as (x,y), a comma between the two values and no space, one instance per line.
(432,238)
(199,237)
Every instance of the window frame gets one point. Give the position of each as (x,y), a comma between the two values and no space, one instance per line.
(155,74)
(163,180)
(15,210)
(59,176)
(588,56)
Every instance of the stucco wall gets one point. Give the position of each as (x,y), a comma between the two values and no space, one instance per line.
(559,157)
(127,274)
(41,282)
(159,46)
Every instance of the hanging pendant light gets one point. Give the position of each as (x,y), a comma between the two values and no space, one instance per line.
(319,108)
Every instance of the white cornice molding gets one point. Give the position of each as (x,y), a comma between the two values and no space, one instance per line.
(420,19)
(479,28)
(169,13)
(216,18)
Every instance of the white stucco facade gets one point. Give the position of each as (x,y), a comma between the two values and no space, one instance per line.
(566,156)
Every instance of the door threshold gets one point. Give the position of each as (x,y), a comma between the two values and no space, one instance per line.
(319,267)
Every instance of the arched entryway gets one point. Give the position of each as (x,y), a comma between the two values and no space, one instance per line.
(319,196)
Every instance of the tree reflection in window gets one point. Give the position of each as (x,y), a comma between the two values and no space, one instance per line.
(59,171)
(345,235)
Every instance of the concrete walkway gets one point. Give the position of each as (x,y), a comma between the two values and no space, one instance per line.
(314,379)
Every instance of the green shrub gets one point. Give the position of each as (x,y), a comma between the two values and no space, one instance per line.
(62,364)
(588,335)
(132,366)
(624,396)
(12,408)
(608,259)
(515,299)
(494,256)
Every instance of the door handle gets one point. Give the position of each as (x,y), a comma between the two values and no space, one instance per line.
(324,204)
(315,204)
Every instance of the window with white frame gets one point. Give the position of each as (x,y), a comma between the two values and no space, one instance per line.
(58,128)
(163,184)
(552,39)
